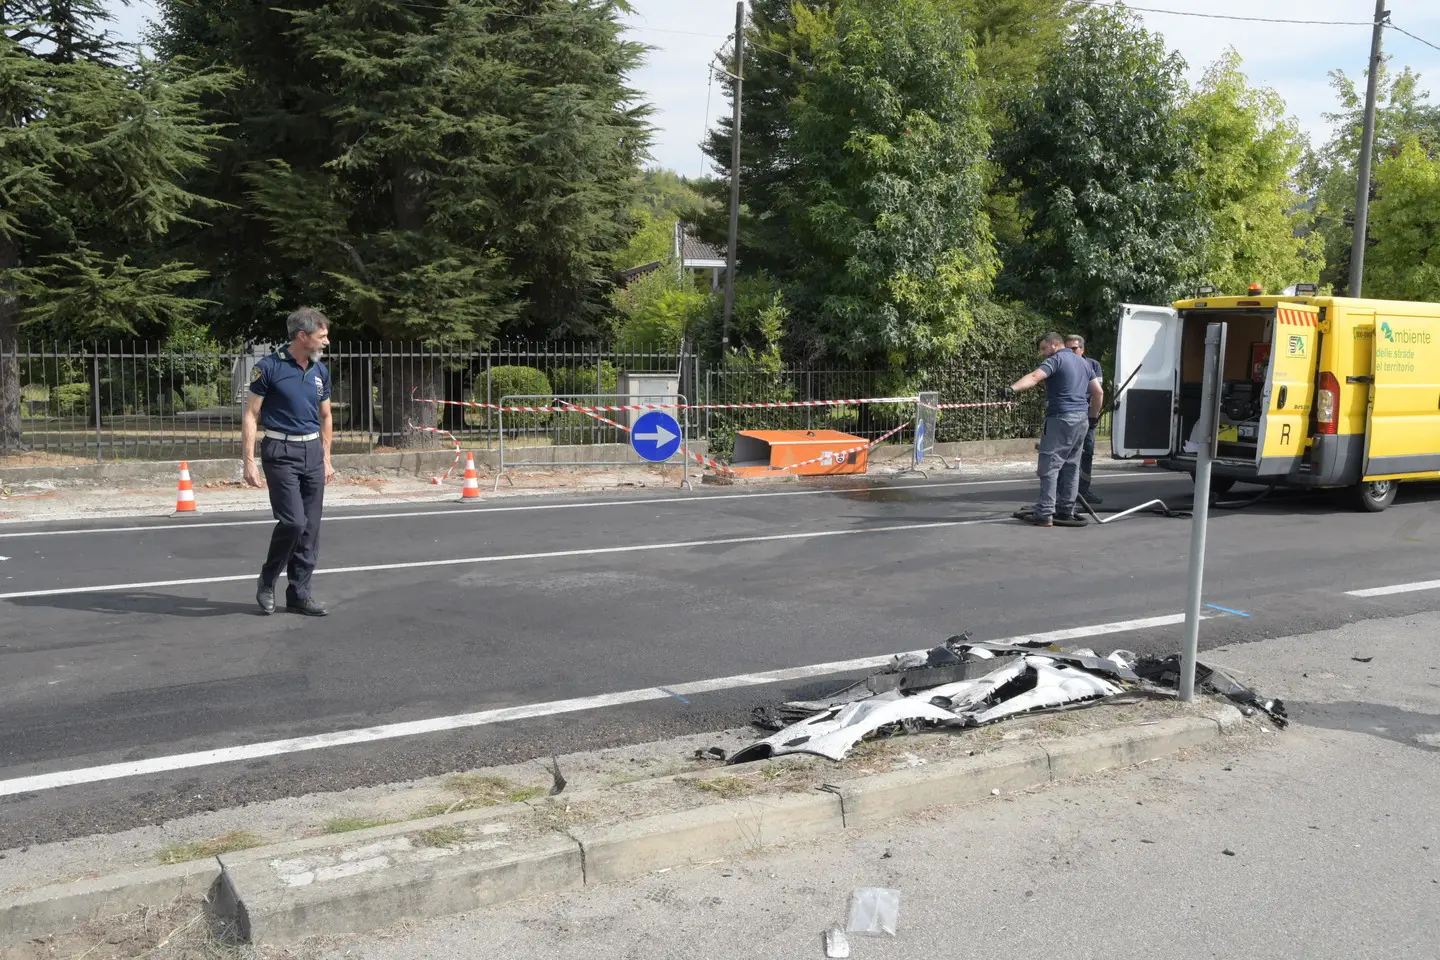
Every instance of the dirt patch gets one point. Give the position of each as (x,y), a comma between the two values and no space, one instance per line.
(41,459)
(177,931)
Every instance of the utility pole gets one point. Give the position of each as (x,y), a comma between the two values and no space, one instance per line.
(734,177)
(1367,147)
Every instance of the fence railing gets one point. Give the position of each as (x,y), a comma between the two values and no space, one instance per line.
(101,402)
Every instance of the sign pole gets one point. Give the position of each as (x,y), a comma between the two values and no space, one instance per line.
(1200,515)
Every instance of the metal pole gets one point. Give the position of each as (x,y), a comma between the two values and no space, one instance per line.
(734,177)
(1214,336)
(95,401)
(1367,148)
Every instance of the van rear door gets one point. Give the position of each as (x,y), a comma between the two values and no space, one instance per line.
(1147,361)
(1289,391)
(1402,430)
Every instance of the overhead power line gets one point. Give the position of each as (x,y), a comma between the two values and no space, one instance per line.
(1227,16)
(1412,36)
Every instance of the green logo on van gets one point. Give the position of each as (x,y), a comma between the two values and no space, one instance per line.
(1404,336)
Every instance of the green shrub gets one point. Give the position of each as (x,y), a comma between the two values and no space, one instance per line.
(71,399)
(518,381)
(198,396)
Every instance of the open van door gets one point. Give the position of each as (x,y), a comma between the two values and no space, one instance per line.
(1147,360)
(1289,392)
(1402,430)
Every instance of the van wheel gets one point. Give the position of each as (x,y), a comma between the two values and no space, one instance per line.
(1376,495)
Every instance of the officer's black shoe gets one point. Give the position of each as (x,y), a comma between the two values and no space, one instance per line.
(308,607)
(1093,497)
(265,596)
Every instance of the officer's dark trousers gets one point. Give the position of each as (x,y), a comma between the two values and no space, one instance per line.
(295,474)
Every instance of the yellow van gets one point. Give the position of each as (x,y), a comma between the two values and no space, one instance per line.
(1317,391)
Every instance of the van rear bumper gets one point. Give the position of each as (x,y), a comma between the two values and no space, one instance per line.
(1332,461)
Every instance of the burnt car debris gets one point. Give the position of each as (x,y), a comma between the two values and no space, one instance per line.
(963,683)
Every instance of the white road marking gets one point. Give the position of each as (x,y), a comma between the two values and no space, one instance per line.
(340,738)
(191,524)
(1396,588)
(514,557)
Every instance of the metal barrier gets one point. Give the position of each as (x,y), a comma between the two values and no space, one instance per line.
(522,416)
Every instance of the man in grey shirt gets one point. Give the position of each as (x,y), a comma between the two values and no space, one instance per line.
(1076,345)
(1072,398)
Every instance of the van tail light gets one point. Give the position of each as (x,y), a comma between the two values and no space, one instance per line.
(1327,400)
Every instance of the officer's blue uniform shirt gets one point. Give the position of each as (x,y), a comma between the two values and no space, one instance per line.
(292,396)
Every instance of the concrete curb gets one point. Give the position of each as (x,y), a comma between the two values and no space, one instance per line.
(370,878)
(41,912)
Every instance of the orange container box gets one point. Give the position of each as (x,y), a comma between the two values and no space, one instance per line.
(833,453)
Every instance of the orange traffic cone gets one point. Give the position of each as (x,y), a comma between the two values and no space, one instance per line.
(185,499)
(472,480)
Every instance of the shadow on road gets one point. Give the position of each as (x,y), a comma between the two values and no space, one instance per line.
(1405,727)
(155,604)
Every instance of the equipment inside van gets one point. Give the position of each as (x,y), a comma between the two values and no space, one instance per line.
(1316,391)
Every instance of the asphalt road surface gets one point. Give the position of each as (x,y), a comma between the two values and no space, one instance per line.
(139,682)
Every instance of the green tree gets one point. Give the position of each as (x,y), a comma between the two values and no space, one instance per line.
(437,171)
(864,174)
(1247,155)
(94,156)
(1401,114)
(1101,158)
(1404,260)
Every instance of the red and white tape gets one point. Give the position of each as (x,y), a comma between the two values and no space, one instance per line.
(967,406)
(446,476)
(606,408)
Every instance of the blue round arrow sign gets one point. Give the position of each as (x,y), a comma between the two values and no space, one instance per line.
(655,436)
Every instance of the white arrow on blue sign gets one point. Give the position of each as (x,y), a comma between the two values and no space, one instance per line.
(655,436)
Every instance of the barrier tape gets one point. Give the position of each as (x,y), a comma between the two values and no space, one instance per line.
(968,406)
(574,408)
(446,476)
(702,460)
(841,455)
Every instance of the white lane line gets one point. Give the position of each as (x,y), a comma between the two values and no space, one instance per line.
(515,557)
(340,738)
(458,511)
(1396,588)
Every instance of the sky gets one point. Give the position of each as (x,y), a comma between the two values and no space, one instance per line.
(1294,59)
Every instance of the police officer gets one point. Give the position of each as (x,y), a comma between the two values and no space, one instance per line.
(290,401)
(1076,345)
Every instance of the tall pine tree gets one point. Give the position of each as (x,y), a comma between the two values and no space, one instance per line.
(94,154)
(429,170)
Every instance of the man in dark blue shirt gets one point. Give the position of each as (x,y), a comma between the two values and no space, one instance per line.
(290,402)
(1072,397)
(1076,345)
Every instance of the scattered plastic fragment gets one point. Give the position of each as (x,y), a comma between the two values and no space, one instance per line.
(963,683)
(874,912)
(837,945)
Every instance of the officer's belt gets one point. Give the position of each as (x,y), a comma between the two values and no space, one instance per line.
(292,437)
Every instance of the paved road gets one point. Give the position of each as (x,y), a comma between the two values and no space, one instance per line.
(1330,828)
(137,643)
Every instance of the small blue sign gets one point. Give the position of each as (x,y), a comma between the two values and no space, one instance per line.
(655,436)
(919,442)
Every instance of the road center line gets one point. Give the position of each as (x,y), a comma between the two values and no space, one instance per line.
(515,557)
(458,511)
(1396,588)
(340,738)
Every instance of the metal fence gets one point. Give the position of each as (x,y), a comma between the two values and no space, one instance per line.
(110,401)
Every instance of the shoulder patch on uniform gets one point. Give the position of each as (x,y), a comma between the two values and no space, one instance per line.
(255,373)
